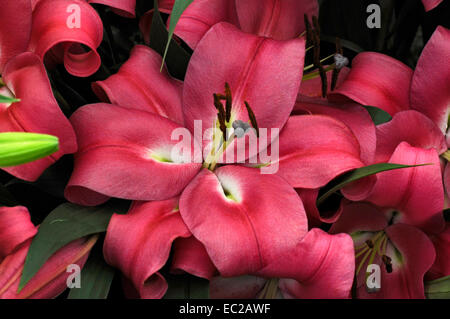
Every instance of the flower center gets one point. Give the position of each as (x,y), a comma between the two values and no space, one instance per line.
(375,245)
(270,289)
(226,127)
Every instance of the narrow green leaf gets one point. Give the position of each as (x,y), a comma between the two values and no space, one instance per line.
(7,99)
(186,287)
(21,147)
(176,58)
(438,289)
(178,8)
(63,225)
(96,279)
(378,115)
(361,173)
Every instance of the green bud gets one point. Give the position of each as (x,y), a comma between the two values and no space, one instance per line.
(21,147)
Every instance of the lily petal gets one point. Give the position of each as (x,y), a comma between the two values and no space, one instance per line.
(15,29)
(126,153)
(149,229)
(54,23)
(277,19)
(416,192)
(245,219)
(309,141)
(408,126)
(377,80)
(140,85)
(201,15)
(27,79)
(431,4)
(352,115)
(441,266)
(15,228)
(189,255)
(324,266)
(431,80)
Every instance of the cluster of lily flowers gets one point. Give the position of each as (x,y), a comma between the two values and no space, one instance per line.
(250,234)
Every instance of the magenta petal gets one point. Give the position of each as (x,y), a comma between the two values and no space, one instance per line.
(412,258)
(139,243)
(441,266)
(352,115)
(277,19)
(309,141)
(431,4)
(15,228)
(125,8)
(189,255)
(247,64)
(140,85)
(245,220)
(126,153)
(50,28)
(408,126)
(377,80)
(311,90)
(15,29)
(323,266)
(431,80)
(26,77)
(359,216)
(201,15)
(417,193)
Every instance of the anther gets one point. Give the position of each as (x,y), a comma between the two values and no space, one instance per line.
(252,118)
(387,262)
(228,101)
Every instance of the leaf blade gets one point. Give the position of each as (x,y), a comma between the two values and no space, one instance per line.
(178,8)
(63,225)
(96,279)
(363,172)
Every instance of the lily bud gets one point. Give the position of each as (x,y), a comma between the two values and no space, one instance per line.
(20,147)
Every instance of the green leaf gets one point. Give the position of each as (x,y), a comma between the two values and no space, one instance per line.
(7,99)
(21,147)
(438,289)
(186,287)
(361,173)
(63,225)
(378,115)
(96,279)
(175,56)
(178,8)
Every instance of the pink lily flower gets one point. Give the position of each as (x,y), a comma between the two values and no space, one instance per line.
(425,90)
(25,78)
(16,232)
(403,252)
